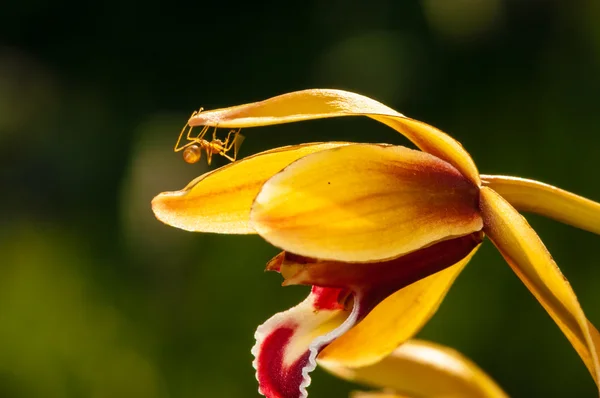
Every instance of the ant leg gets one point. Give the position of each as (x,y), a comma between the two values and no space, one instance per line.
(192,140)
(226,156)
(225,142)
(189,129)
(188,124)
(202,132)
(176,148)
(208,156)
(200,135)
(235,136)
(235,143)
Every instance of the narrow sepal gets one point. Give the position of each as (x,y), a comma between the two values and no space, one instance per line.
(326,103)
(530,260)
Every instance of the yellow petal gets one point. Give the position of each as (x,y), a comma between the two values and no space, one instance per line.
(422,369)
(395,320)
(528,257)
(220,201)
(364,394)
(325,103)
(365,202)
(549,201)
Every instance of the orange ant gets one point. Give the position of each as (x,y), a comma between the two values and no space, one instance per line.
(192,151)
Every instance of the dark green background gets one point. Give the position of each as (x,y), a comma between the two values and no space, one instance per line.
(98,299)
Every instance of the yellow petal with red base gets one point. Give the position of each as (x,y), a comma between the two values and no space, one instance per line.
(396,319)
(326,103)
(530,260)
(422,369)
(549,201)
(365,202)
(220,201)
(288,343)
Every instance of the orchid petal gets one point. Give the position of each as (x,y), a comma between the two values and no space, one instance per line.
(549,201)
(288,343)
(376,394)
(384,277)
(365,202)
(220,201)
(395,320)
(326,103)
(530,260)
(422,369)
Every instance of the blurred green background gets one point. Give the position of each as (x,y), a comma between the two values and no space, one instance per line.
(98,299)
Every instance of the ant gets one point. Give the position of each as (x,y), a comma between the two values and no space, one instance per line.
(192,151)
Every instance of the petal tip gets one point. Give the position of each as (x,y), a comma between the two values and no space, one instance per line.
(275,263)
(272,337)
(161,206)
(288,343)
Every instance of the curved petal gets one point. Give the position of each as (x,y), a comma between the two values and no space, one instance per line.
(376,394)
(325,103)
(549,201)
(287,344)
(529,258)
(384,277)
(220,201)
(423,369)
(365,202)
(396,319)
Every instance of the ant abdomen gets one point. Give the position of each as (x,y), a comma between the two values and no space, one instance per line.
(192,154)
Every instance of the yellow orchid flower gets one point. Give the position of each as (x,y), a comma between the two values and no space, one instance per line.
(380,232)
(421,369)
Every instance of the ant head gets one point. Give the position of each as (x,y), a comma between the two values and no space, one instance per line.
(192,154)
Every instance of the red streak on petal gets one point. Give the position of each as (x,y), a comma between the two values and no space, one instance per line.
(275,263)
(328,298)
(385,277)
(275,379)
